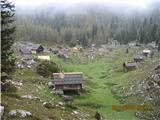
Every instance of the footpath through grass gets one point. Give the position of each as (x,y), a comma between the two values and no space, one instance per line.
(99,74)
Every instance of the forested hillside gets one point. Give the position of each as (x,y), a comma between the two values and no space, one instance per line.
(85,25)
(63,61)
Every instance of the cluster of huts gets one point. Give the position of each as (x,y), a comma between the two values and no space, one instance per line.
(27,60)
(62,83)
(71,83)
(151,45)
(132,65)
(64,53)
(147,52)
(38,48)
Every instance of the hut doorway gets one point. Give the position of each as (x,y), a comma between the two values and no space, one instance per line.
(70,92)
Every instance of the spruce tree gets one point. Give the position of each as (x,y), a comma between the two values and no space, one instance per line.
(7,38)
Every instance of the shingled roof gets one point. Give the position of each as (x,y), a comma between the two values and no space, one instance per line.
(130,64)
(35,46)
(139,57)
(25,51)
(68,78)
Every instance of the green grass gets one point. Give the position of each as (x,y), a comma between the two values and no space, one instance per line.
(104,78)
(36,108)
(101,95)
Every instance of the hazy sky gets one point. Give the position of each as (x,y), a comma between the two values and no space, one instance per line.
(141,3)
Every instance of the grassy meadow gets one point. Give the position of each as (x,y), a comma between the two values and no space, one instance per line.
(104,84)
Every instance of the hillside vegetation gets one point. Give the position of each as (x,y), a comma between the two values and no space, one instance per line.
(104,86)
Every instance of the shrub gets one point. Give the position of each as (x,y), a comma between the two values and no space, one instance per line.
(92,105)
(46,68)
(8,87)
(97,116)
(71,106)
(13,95)
(48,105)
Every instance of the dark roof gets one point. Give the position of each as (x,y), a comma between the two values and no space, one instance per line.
(139,57)
(68,78)
(131,64)
(35,46)
(25,51)
(62,54)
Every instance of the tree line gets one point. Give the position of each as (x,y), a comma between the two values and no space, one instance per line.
(88,27)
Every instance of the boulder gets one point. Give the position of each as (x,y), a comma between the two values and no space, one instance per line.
(17,84)
(158,116)
(67,98)
(60,103)
(50,84)
(23,113)
(28,66)
(13,113)
(1,110)
(62,55)
(75,112)
(47,105)
(30,97)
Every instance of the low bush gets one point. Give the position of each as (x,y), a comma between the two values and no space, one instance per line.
(47,68)
(8,87)
(92,105)
(13,95)
(71,106)
(97,116)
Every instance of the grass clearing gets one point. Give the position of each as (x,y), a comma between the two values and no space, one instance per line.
(104,80)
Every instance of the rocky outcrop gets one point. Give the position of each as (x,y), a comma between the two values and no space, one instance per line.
(48,105)
(148,90)
(1,110)
(23,113)
(30,97)
(50,85)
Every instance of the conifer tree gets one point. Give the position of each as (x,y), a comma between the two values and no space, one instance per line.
(7,38)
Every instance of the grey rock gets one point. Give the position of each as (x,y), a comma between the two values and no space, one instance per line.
(13,112)
(23,113)
(75,112)
(60,103)
(48,105)
(1,110)
(30,97)
(50,84)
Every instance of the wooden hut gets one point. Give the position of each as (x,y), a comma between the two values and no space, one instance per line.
(129,66)
(25,51)
(146,52)
(68,83)
(138,59)
(37,48)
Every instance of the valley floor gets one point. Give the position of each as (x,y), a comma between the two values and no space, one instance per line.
(104,85)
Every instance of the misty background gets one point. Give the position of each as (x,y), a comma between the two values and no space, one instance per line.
(85,23)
